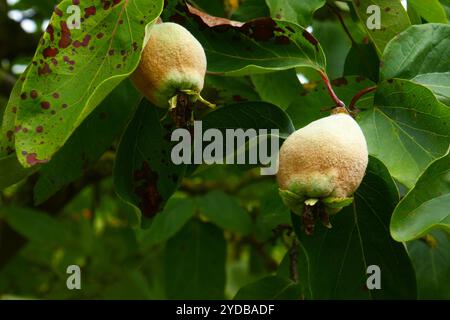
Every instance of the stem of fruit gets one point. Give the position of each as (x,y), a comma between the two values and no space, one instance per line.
(358,96)
(199,97)
(331,92)
(180,110)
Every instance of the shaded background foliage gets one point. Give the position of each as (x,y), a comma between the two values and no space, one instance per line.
(222,231)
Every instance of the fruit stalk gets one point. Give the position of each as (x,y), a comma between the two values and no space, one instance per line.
(358,96)
(331,92)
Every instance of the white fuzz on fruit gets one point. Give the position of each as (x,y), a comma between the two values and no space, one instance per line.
(172,60)
(326,158)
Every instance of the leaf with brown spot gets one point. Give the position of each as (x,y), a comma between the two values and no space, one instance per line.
(79,67)
(9,117)
(226,90)
(89,141)
(257,46)
(144,172)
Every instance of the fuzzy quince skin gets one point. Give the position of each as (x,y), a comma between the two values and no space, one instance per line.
(324,160)
(172,60)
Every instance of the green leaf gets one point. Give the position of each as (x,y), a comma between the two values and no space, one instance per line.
(279,88)
(414,16)
(405,55)
(446,5)
(11,171)
(431,262)
(131,286)
(308,103)
(259,46)
(228,90)
(3,103)
(335,44)
(439,83)
(421,59)
(91,139)
(195,263)
(144,174)
(247,115)
(169,221)
(430,10)
(284,270)
(407,128)
(35,225)
(73,70)
(299,12)
(216,8)
(270,288)
(393,20)
(273,212)
(426,206)
(337,258)
(362,59)
(250,9)
(8,129)
(225,211)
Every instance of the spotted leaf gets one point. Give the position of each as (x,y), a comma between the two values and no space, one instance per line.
(258,46)
(76,65)
(144,174)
